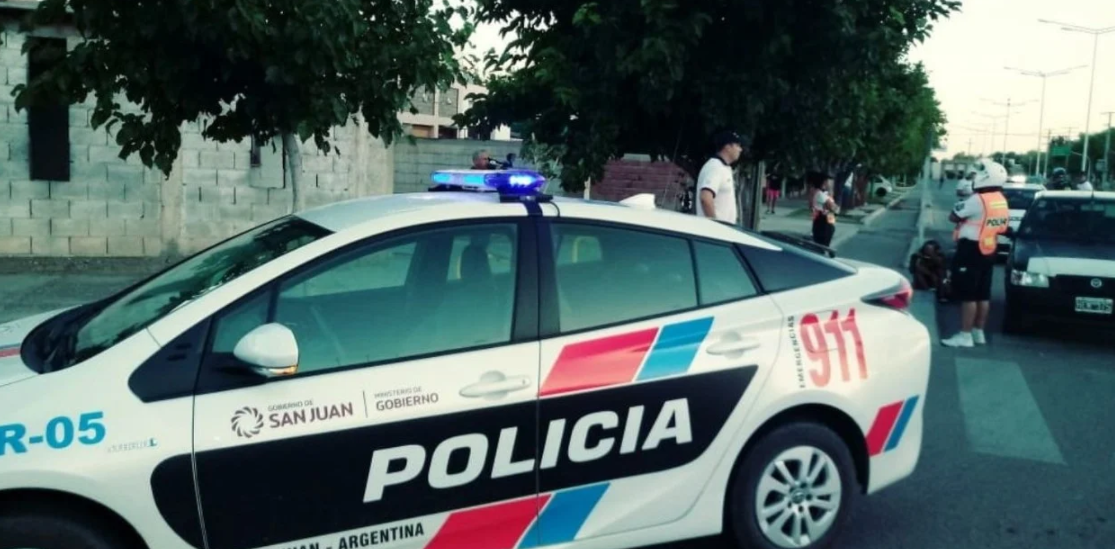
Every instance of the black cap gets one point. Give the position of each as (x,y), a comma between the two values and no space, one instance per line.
(725,138)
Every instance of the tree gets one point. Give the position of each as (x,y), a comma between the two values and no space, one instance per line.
(252,68)
(906,121)
(596,80)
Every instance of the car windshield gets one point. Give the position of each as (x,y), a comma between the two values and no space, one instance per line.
(1085,220)
(136,308)
(1019,199)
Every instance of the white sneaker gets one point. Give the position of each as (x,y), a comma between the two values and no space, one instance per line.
(961,339)
(978,337)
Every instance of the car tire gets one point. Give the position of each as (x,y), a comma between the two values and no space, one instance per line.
(795,446)
(41,529)
(881,192)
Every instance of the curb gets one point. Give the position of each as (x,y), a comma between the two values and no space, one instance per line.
(924,304)
(919,224)
(871,217)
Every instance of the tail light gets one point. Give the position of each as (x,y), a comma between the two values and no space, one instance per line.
(897,298)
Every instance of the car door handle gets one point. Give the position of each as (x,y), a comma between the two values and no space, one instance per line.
(734,346)
(495,384)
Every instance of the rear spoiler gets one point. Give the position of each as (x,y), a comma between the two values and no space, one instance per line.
(801,242)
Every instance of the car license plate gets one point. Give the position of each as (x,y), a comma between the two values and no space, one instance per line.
(1095,305)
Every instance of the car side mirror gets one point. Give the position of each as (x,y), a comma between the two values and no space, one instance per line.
(269,351)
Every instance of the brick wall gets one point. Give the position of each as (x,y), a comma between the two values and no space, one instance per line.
(415,162)
(628,177)
(116,208)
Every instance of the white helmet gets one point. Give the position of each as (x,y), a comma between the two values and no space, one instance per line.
(989,174)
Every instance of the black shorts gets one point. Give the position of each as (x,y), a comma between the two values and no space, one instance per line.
(823,231)
(971,272)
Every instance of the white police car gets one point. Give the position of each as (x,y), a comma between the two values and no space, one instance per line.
(470,369)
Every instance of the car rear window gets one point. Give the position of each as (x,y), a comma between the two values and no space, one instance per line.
(1019,199)
(791,267)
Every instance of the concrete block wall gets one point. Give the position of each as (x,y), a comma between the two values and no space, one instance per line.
(415,162)
(222,194)
(627,177)
(117,208)
(108,207)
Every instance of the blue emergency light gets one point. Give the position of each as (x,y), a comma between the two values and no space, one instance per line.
(514,182)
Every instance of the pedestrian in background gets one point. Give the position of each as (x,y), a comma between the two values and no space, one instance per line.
(824,208)
(774,191)
(716,186)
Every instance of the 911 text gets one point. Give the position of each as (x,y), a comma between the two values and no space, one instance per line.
(815,340)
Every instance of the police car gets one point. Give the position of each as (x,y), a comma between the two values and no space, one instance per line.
(1062,268)
(480,367)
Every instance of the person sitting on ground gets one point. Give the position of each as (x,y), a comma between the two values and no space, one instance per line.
(928,266)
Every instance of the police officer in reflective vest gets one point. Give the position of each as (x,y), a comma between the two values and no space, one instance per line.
(981,219)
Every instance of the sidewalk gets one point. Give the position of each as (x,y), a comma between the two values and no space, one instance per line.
(792,216)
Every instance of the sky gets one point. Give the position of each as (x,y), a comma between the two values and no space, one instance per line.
(967,56)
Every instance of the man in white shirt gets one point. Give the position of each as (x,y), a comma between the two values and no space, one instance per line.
(716,189)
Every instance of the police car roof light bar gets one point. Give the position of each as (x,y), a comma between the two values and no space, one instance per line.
(510,184)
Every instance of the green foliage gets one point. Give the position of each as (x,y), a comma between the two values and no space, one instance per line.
(251,67)
(805,78)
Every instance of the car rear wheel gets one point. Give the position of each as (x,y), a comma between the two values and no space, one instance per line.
(31,530)
(795,488)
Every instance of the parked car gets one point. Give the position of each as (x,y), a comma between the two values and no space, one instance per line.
(880,187)
(1062,267)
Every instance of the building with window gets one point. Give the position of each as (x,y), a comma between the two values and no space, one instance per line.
(436,108)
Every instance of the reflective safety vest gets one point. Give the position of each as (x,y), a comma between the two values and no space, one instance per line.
(994,222)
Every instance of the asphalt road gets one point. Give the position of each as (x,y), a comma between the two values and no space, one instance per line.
(1018,452)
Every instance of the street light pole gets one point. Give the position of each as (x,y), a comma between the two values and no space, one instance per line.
(1041,117)
(1091,86)
(1107,151)
(1006,127)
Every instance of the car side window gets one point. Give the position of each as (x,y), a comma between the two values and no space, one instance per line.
(608,276)
(721,275)
(426,293)
(791,267)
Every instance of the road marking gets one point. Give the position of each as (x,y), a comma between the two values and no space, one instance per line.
(1000,413)
(1105,382)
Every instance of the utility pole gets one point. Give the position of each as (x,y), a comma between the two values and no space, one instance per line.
(1107,151)
(1041,117)
(1048,151)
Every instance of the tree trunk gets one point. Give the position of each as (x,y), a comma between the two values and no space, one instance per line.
(293,149)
